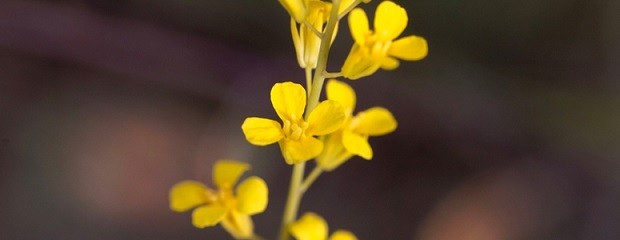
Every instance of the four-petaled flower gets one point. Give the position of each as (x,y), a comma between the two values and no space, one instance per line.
(296,135)
(352,138)
(378,49)
(313,227)
(232,209)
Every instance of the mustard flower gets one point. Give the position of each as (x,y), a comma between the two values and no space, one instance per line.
(313,227)
(232,209)
(298,9)
(352,138)
(378,49)
(305,40)
(296,135)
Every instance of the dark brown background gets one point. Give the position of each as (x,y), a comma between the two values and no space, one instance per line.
(509,129)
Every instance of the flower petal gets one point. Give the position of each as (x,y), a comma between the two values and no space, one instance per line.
(239,225)
(289,100)
(208,216)
(252,196)
(359,64)
(389,63)
(226,173)
(261,131)
(342,235)
(296,8)
(309,227)
(390,20)
(334,154)
(375,121)
(187,195)
(358,24)
(357,144)
(341,93)
(409,48)
(326,118)
(300,151)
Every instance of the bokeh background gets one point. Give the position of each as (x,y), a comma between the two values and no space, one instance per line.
(509,129)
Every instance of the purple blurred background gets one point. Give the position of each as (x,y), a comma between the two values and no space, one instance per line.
(509,129)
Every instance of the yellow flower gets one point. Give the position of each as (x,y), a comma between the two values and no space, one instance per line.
(378,49)
(296,135)
(232,209)
(352,138)
(298,9)
(313,227)
(305,40)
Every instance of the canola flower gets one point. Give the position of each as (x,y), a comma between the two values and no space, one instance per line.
(313,227)
(352,138)
(379,49)
(230,208)
(296,136)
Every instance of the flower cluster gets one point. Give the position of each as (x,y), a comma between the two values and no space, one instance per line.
(328,131)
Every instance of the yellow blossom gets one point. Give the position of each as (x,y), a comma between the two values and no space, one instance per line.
(298,9)
(295,135)
(313,227)
(305,40)
(232,209)
(352,138)
(379,49)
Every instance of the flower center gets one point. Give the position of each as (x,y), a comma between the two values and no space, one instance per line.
(377,45)
(295,129)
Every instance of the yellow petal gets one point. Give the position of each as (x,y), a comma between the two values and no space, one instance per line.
(297,43)
(334,154)
(358,24)
(375,121)
(289,100)
(299,151)
(389,63)
(296,8)
(309,227)
(390,20)
(342,235)
(326,118)
(226,173)
(358,64)
(239,225)
(187,195)
(208,216)
(252,196)
(409,48)
(341,93)
(261,131)
(357,144)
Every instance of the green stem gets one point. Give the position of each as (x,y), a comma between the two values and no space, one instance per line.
(348,9)
(292,202)
(326,39)
(316,172)
(308,80)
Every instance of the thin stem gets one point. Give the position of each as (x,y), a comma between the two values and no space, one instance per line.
(314,30)
(331,75)
(317,82)
(308,80)
(348,9)
(292,202)
(316,172)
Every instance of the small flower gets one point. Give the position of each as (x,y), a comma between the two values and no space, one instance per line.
(296,135)
(305,40)
(352,138)
(298,9)
(313,227)
(378,49)
(232,209)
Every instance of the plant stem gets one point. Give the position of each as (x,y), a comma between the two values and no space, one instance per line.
(316,172)
(308,80)
(292,202)
(326,39)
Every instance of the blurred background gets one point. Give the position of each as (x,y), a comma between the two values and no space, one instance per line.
(509,129)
